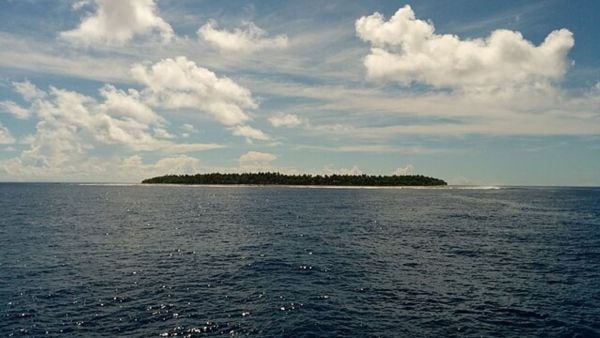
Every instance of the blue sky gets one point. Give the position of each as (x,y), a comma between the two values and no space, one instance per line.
(474,92)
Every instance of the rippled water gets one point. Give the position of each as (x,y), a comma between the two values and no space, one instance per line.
(268,262)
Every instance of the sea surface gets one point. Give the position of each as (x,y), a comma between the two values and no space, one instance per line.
(152,261)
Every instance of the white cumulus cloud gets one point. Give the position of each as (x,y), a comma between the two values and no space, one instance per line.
(176,165)
(287,120)
(189,128)
(116,22)
(80,4)
(5,136)
(408,170)
(250,133)
(114,169)
(406,49)
(180,83)
(71,125)
(127,104)
(15,110)
(28,90)
(190,147)
(331,170)
(256,159)
(250,38)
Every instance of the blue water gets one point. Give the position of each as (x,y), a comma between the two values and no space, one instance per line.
(144,261)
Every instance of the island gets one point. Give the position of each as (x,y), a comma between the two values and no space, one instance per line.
(275,178)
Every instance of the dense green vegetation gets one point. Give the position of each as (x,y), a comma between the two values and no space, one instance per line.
(281,179)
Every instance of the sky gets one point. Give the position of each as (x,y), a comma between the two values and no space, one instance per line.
(473,92)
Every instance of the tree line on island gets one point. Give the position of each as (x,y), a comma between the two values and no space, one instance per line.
(275,178)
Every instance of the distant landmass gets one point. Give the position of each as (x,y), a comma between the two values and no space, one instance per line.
(269,178)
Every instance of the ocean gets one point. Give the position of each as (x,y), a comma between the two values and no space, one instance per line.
(162,261)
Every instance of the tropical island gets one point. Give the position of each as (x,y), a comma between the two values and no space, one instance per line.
(275,178)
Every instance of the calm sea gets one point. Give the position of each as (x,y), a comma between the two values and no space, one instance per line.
(150,261)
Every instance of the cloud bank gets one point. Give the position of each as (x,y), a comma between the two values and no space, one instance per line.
(72,126)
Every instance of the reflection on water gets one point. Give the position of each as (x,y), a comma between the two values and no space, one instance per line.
(94,260)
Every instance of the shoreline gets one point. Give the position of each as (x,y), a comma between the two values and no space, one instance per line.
(433,187)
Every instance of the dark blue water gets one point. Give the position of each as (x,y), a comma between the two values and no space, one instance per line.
(290,262)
